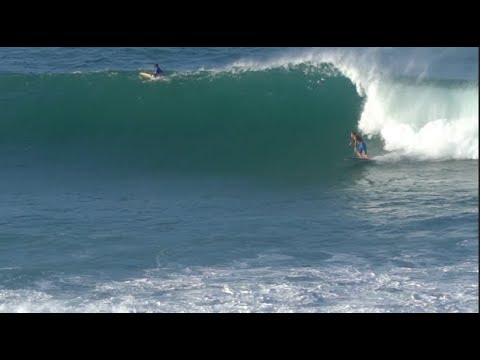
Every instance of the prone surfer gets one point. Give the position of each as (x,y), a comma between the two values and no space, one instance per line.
(158,71)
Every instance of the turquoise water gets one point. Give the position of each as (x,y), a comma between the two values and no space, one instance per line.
(225,188)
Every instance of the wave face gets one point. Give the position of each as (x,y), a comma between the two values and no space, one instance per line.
(255,121)
(290,114)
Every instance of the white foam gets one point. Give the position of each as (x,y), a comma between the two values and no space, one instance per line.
(423,121)
(348,285)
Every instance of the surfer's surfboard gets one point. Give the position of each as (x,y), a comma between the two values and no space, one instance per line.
(357,158)
(147,75)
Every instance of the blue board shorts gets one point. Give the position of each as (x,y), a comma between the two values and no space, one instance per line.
(362,147)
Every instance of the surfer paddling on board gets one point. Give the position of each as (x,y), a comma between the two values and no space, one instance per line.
(359,145)
(158,71)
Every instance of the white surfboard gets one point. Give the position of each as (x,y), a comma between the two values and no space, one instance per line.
(147,76)
(151,77)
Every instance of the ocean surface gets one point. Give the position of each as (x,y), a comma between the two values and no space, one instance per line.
(227,185)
